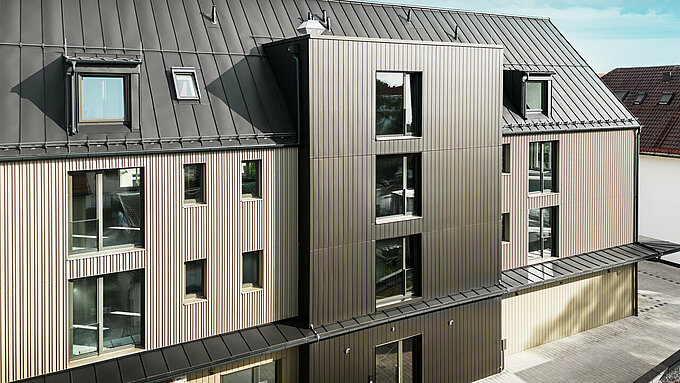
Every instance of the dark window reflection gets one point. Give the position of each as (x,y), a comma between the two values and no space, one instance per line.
(396,276)
(252,269)
(250,179)
(195,279)
(194,178)
(398,362)
(85,327)
(542,232)
(398,103)
(542,162)
(84,220)
(122,207)
(397,181)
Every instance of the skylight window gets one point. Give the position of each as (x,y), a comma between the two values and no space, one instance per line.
(186,87)
(621,94)
(666,98)
(639,98)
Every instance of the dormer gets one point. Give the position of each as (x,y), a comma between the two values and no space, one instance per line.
(530,93)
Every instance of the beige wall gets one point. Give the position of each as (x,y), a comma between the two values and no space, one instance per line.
(595,193)
(543,314)
(35,268)
(289,367)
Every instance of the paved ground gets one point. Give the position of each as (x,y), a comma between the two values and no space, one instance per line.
(618,352)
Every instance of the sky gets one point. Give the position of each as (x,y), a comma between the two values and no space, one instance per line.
(608,33)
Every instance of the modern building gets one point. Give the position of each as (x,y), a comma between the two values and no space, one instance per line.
(318,191)
(651,95)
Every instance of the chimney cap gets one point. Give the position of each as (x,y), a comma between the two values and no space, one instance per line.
(311,27)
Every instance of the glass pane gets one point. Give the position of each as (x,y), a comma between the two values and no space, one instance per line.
(389,177)
(534,167)
(547,157)
(84,224)
(547,234)
(505,223)
(534,233)
(243,376)
(250,179)
(408,361)
(123,309)
(408,102)
(535,95)
(85,329)
(195,273)
(506,158)
(387,363)
(122,210)
(193,183)
(267,373)
(389,275)
(251,269)
(389,115)
(411,206)
(412,248)
(186,86)
(103,98)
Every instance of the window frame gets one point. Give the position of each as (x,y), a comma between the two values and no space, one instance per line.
(204,199)
(247,197)
(191,71)
(100,353)
(505,228)
(100,215)
(554,163)
(103,121)
(554,234)
(250,287)
(416,213)
(505,158)
(546,95)
(416,246)
(417,357)
(204,271)
(416,114)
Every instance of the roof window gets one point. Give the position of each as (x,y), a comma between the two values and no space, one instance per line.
(621,94)
(639,98)
(185,84)
(666,98)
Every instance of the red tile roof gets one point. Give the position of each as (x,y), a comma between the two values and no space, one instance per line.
(660,131)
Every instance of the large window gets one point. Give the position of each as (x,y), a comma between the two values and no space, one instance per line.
(264,373)
(398,104)
(106,209)
(396,269)
(543,167)
(250,179)
(252,270)
(194,184)
(106,313)
(398,362)
(397,185)
(103,98)
(194,273)
(542,233)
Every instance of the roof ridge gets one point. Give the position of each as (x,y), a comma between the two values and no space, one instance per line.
(389,3)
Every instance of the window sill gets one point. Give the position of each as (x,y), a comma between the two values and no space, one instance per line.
(392,303)
(111,251)
(542,194)
(397,138)
(189,205)
(396,218)
(105,356)
(248,290)
(505,242)
(193,301)
(251,199)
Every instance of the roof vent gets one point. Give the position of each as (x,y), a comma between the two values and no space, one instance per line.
(667,76)
(311,26)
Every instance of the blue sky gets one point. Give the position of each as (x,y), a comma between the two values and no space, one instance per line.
(608,33)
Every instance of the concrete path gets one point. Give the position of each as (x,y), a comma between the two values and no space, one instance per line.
(621,351)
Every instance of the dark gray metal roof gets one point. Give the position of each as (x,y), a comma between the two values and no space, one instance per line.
(529,276)
(242,103)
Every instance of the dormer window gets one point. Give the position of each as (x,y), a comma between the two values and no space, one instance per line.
(666,98)
(529,93)
(535,96)
(186,87)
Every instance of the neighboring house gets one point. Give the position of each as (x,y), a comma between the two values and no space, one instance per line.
(208,193)
(652,94)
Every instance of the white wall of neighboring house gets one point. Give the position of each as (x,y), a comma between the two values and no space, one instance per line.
(659,199)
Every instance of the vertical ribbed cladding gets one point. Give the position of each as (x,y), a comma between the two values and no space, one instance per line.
(459,149)
(35,267)
(289,365)
(546,313)
(466,351)
(595,192)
